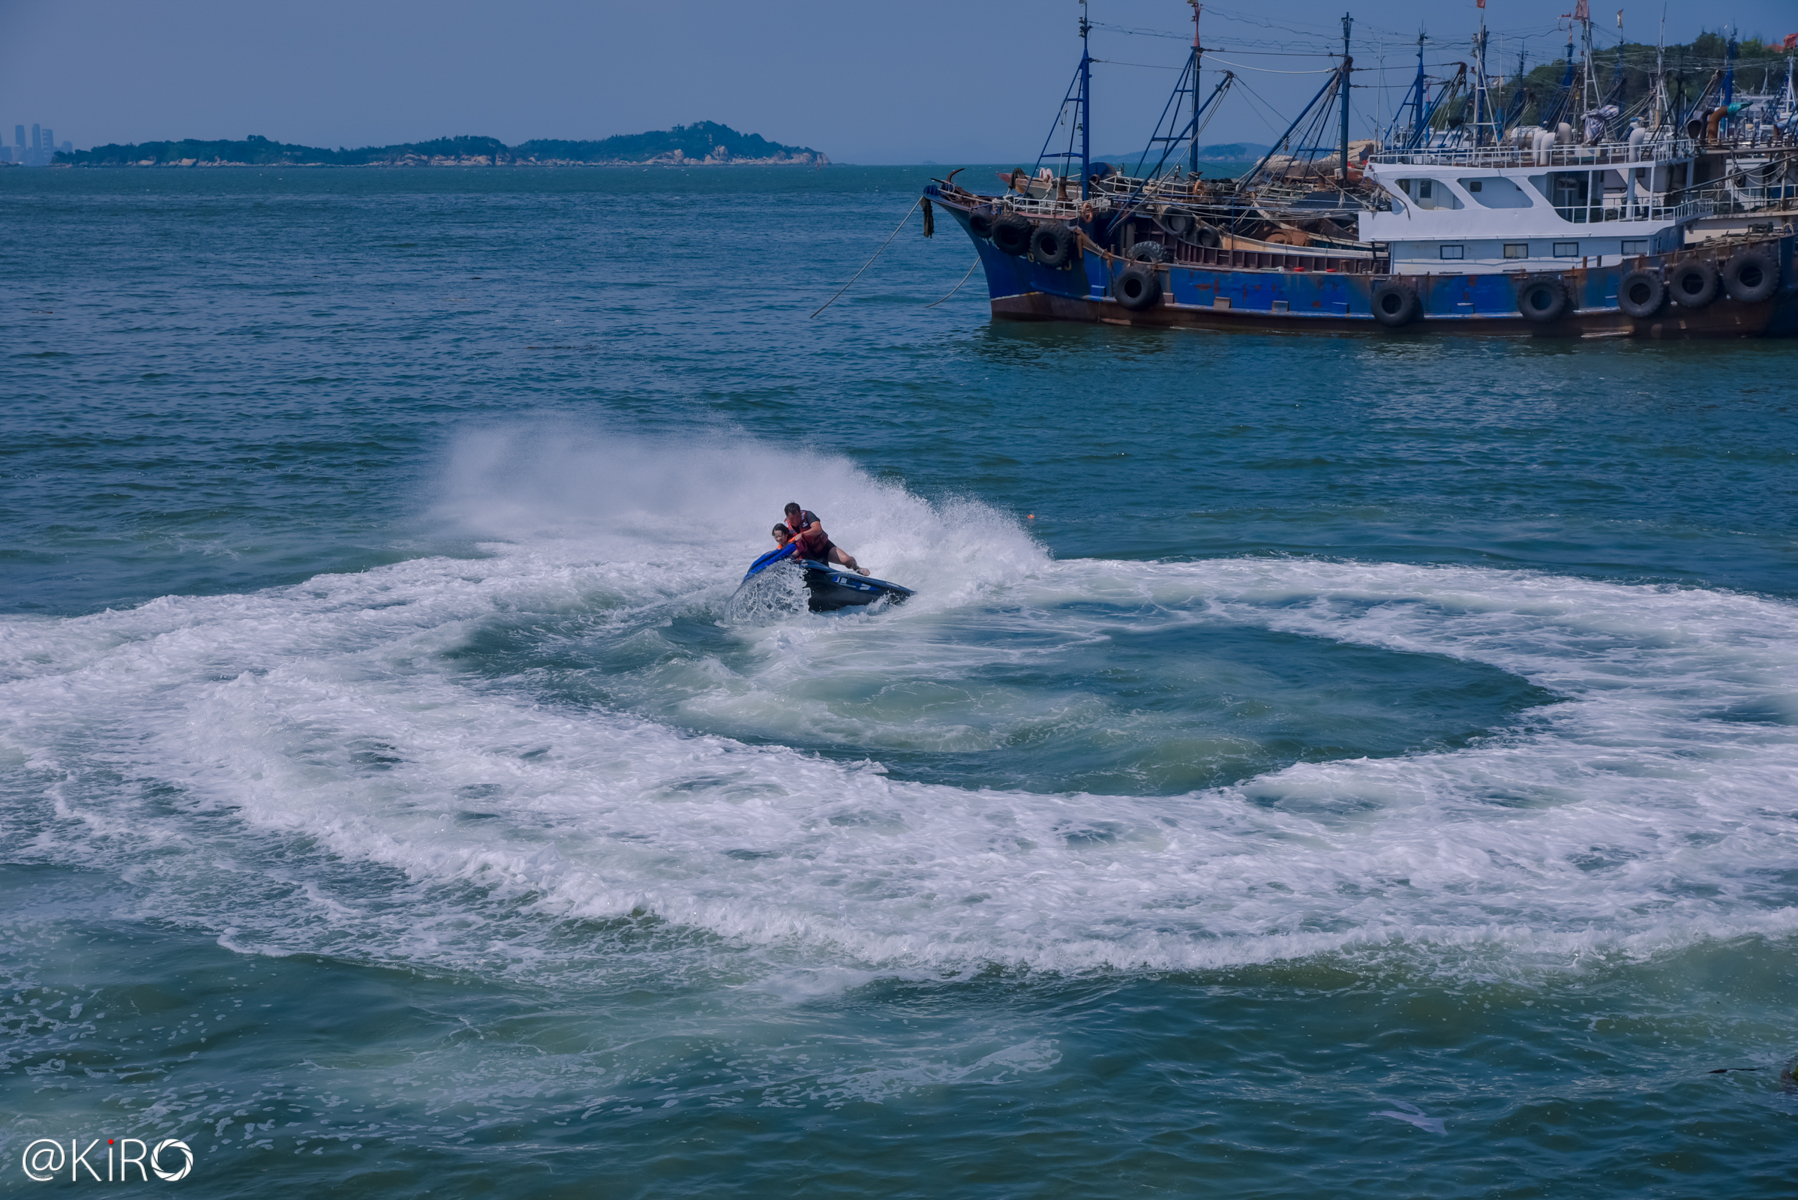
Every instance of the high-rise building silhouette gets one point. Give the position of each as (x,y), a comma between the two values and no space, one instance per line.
(38,152)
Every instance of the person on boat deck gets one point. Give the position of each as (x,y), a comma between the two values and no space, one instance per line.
(814,543)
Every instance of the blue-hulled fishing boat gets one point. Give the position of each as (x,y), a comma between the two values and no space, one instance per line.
(1679,223)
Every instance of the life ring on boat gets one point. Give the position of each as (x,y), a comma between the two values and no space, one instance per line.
(1695,284)
(1086,212)
(1641,294)
(1149,252)
(1137,286)
(1395,304)
(1011,233)
(1750,276)
(980,224)
(1544,298)
(1052,245)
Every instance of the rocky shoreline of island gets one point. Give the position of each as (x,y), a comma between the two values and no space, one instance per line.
(703,144)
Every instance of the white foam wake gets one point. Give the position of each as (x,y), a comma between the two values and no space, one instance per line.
(209,745)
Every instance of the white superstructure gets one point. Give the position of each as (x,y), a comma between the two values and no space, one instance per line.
(1531,207)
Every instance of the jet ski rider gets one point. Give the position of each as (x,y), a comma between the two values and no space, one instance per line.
(814,543)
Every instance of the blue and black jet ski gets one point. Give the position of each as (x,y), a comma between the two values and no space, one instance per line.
(829,587)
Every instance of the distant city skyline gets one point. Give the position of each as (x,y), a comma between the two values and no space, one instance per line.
(35,151)
(937,79)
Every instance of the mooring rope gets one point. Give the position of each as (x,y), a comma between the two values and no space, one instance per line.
(957,287)
(870,262)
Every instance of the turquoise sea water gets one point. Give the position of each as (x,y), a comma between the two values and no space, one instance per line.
(1326,766)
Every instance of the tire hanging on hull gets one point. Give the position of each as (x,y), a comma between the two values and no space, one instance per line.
(1751,276)
(1395,304)
(1011,233)
(1695,284)
(1052,245)
(1641,294)
(1544,299)
(1137,286)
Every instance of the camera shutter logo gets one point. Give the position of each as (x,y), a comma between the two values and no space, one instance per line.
(187,1160)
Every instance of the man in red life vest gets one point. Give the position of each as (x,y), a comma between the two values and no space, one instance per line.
(814,543)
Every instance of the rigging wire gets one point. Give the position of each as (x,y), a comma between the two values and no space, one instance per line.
(1267,70)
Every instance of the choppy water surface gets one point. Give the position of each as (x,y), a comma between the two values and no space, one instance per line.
(1327,766)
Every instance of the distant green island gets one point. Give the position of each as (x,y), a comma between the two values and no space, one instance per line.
(705,143)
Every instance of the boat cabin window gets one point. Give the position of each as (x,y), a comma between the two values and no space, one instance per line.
(1517,249)
(1497,193)
(1635,245)
(1570,192)
(1454,252)
(1427,194)
(1566,249)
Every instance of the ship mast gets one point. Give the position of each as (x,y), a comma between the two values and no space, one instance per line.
(1197,52)
(1348,65)
(1482,101)
(1660,75)
(1589,101)
(1086,102)
(1418,113)
(1729,74)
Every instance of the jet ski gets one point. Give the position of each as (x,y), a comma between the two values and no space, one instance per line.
(829,587)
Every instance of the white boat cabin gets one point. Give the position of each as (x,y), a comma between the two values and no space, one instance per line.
(1531,207)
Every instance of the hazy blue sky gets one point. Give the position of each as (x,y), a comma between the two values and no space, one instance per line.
(943,80)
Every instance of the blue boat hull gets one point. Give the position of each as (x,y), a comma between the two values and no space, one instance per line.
(1282,292)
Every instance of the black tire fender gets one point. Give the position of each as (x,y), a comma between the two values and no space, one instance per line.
(1544,298)
(1011,233)
(1210,238)
(1641,294)
(980,224)
(1751,275)
(1053,245)
(1395,304)
(1178,222)
(1137,286)
(1149,252)
(1694,284)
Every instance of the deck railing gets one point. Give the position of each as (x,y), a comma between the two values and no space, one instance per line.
(1603,154)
